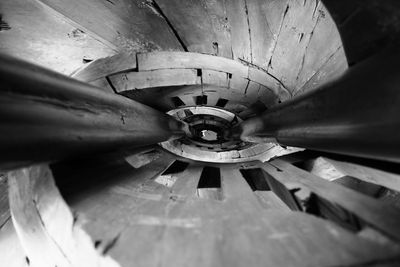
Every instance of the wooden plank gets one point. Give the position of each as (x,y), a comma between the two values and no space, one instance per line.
(332,69)
(261,36)
(283,191)
(367,174)
(236,11)
(103,84)
(119,23)
(319,50)
(237,190)
(104,67)
(4,205)
(208,232)
(268,97)
(11,250)
(216,78)
(37,36)
(79,118)
(269,200)
(156,78)
(48,231)
(201,25)
(182,60)
(375,213)
(268,81)
(297,29)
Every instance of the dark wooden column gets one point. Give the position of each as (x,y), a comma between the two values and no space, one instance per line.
(46,116)
(356,115)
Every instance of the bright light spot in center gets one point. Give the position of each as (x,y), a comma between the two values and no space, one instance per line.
(209,135)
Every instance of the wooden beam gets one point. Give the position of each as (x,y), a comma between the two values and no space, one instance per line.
(46,228)
(46,116)
(378,214)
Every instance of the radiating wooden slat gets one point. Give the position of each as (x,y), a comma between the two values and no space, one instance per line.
(119,23)
(104,67)
(37,36)
(11,250)
(46,228)
(332,69)
(297,28)
(238,20)
(270,200)
(318,50)
(378,214)
(216,78)
(184,60)
(261,35)
(156,78)
(268,81)
(201,25)
(364,173)
(236,189)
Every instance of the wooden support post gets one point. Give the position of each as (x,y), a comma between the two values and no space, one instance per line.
(45,116)
(355,115)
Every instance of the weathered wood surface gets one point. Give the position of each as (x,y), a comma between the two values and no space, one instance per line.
(11,252)
(66,117)
(34,34)
(46,228)
(148,218)
(156,78)
(238,20)
(220,78)
(120,23)
(375,213)
(332,169)
(201,25)
(332,69)
(104,67)
(182,60)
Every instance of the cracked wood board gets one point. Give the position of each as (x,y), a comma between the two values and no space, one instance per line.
(261,35)
(364,173)
(200,25)
(187,60)
(375,213)
(47,230)
(39,37)
(333,68)
(297,29)
(319,50)
(155,78)
(104,67)
(238,21)
(119,23)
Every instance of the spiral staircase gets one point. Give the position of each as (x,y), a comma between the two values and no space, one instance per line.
(199,133)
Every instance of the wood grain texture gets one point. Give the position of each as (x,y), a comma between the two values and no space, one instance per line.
(236,11)
(182,60)
(155,78)
(120,23)
(364,173)
(152,220)
(46,228)
(37,36)
(375,213)
(298,25)
(201,25)
(106,66)
(323,43)
(332,69)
